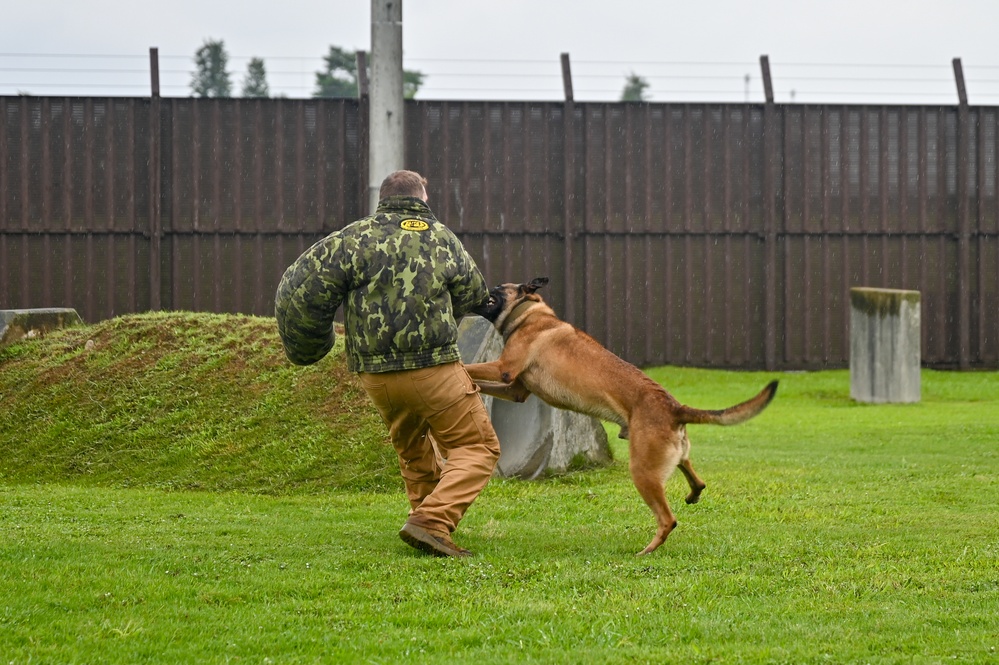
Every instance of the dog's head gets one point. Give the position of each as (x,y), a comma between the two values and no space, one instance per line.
(503,298)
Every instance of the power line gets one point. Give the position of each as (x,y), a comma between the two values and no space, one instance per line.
(458,77)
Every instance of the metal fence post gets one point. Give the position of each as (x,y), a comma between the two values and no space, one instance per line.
(770,185)
(363,129)
(155,230)
(963,221)
(569,196)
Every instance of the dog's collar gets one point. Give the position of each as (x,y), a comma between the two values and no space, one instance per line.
(511,318)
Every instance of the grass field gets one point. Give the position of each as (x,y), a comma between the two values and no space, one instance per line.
(180,494)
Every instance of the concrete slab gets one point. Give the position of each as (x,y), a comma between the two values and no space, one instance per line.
(16,324)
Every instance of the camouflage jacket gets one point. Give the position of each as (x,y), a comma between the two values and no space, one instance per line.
(404,280)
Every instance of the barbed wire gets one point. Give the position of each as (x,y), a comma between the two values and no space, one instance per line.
(100,74)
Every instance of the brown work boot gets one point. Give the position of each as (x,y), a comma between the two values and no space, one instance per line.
(423,540)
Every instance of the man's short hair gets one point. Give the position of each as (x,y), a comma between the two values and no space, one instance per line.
(403,183)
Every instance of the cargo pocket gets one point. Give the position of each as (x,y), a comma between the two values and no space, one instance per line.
(456,428)
(379,395)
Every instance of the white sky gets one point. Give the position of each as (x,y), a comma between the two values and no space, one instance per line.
(848,51)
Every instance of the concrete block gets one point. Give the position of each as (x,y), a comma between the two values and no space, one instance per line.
(18,323)
(534,437)
(884,345)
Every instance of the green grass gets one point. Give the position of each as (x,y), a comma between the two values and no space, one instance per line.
(140,522)
(180,400)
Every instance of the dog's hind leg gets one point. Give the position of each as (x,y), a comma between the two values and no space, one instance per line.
(696,484)
(651,464)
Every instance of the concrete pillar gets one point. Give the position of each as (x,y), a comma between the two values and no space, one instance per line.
(884,345)
(534,437)
(385,144)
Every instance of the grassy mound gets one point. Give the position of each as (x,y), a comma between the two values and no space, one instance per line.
(185,400)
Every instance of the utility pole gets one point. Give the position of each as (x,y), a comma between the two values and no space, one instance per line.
(386,151)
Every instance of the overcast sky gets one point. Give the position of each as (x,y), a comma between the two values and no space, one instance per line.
(882,51)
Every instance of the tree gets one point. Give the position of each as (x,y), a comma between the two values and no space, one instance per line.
(411,82)
(211,78)
(634,89)
(340,76)
(255,82)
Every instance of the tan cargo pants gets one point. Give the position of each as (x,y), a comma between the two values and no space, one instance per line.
(441,402)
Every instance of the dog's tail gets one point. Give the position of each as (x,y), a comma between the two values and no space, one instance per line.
(733,415)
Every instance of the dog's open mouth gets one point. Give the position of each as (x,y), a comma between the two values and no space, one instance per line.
(490,308)
(485,306)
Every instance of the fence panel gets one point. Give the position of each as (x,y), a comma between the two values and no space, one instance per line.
(724,235)
(74,208)
(251,183)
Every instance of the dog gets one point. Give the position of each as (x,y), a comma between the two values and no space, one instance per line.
(570,370)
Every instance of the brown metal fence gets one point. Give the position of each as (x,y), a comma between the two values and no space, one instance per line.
(723,235)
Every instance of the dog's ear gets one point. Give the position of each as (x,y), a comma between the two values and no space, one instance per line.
(535,284)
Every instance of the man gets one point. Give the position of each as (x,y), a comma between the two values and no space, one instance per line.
(404,280)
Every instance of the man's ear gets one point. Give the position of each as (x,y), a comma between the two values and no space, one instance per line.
(535,284)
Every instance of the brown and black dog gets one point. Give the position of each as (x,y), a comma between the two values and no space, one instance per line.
(570,370)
